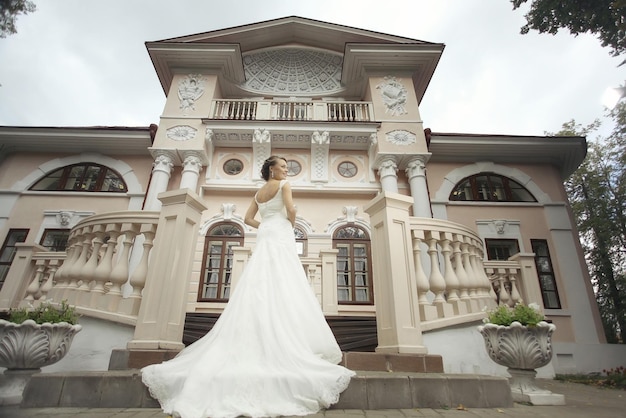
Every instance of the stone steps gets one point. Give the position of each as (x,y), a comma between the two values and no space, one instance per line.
(368,390)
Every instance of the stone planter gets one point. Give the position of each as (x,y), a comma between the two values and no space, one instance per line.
(27,347)
(522,349)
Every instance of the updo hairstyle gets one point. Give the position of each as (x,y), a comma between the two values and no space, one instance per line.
(270,162)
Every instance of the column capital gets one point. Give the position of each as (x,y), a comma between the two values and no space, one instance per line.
(416,167)
(192,162)
(388,167)
(163,161)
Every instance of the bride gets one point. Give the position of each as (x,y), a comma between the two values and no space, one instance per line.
(271,352)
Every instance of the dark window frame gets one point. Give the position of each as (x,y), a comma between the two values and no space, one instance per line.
(492,179)
(104,173)
(6,245)
(350,271)
(545,270)
(57,247)
(491,244)
(224,271)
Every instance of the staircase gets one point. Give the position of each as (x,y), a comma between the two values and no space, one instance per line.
(388,382)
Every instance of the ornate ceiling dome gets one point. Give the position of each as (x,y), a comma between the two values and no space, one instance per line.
(292,71)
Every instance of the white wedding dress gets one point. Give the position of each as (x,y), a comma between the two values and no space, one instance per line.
(271,352)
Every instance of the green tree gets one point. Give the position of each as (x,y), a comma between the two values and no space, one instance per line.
(597,194)
(9,10)
(604,18)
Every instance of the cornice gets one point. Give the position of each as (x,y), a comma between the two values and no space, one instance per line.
(564,152)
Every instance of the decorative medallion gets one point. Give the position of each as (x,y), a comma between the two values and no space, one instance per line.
(189,90)
(181,133)
(401,137)
(394,96)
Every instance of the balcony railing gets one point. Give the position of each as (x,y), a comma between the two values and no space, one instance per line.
(291,110)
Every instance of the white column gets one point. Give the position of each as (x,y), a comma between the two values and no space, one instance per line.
(388,173)
(416,173)
(161,171)
(191,171)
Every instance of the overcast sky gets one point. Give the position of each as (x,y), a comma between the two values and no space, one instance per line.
(84,62)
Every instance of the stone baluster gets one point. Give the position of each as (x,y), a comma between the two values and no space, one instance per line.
(32,291)
(103,270)
(61,278)
(53,266)
(119,274)
(130,305)
(515,295)
(86,272)
(461,274)
(423,286)
(503,295)
(452,281)
(436,280)
(82,245)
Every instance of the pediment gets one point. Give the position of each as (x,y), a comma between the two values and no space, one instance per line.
(294,56)
(292,30)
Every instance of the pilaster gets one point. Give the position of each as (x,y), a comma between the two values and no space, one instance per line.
(162,313)
(397,308)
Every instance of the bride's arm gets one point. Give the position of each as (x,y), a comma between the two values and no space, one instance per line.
(288,200)
(250,214)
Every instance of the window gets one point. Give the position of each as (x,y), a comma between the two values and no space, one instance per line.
(55,239)
(84,177)
(501,249)
(347,169)
(233,167)
(547,280)
(294,168)
(218,261)
(491,187)
(8,251)
(354,279)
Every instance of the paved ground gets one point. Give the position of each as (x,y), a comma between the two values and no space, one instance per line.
(582,401)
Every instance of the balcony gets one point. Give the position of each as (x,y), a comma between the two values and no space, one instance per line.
(304,111)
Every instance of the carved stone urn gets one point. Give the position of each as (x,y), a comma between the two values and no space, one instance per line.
(522,349)
(27,347)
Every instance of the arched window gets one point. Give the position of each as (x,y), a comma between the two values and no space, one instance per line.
(491,187)
(217,262)
(354,267)
(83,177)
(301,240)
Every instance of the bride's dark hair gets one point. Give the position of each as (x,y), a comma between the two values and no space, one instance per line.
(270,162)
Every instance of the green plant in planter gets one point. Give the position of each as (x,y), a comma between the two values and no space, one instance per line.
(527,315)
(46,312)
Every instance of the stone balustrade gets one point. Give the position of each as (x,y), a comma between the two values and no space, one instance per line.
(105,254)
(105,268)
(291,110)
(452,285)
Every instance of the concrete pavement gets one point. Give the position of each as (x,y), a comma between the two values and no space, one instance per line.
(582,401)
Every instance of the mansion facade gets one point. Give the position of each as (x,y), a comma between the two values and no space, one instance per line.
(406,235)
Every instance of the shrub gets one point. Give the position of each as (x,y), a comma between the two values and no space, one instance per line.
(45,312)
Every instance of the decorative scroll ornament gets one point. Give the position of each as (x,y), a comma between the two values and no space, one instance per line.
(401,137)
(261,136)
(394,96)
(181,133)
(320,138)
(190,89)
